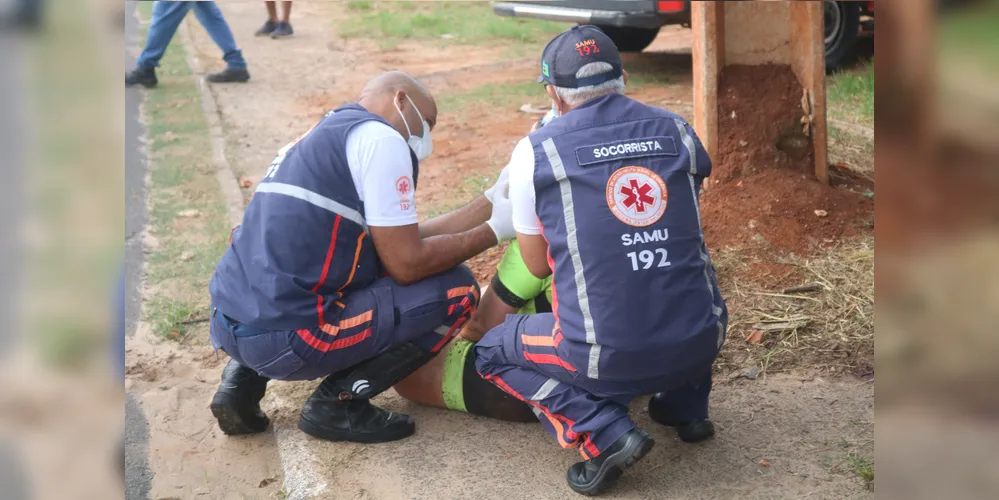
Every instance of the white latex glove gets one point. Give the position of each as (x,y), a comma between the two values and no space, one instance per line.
(502,184)
(501,220)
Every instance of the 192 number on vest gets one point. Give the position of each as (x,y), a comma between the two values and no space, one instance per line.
(647,258)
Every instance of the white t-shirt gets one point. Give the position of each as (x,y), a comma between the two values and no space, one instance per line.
(521,170)
(380,165)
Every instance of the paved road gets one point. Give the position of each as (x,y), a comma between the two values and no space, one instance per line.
(138,477)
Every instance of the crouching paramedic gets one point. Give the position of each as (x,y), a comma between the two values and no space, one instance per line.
(605,199)
(330,275)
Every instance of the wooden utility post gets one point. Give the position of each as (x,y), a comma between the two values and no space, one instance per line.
(758,33)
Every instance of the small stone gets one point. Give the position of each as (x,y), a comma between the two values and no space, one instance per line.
(821,213)
(447,36)
(752,372)
(743,143)
(188,213)
(764,463)
(186,255)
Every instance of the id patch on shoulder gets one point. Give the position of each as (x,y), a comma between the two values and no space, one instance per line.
(629,148)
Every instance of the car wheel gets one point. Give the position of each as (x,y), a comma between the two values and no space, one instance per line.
(841,23)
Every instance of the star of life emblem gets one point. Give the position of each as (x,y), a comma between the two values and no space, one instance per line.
(636,196)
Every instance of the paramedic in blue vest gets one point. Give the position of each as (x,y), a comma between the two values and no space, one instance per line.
(605,199)
(331,276)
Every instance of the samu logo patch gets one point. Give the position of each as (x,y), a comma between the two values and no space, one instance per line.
(636,196)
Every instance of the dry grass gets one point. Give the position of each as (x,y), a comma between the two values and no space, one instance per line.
(829,329)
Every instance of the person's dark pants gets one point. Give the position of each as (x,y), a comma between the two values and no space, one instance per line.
(427,314)
(521,356)
(167,17)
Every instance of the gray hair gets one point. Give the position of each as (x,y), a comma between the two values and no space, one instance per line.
(577,96)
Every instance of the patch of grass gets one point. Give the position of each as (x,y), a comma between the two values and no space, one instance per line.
(863,467)
(469,23)
(180,264)
(971,32)
(641,76)
(828,329)
(493,94)
(850,95)
(174,319)
(851,150)
(360,5)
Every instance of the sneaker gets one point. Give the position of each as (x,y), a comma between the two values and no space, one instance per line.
(228,75)
(266,29)
(592,476)
(141,76)
(326,415)
(282,30)
(236,405)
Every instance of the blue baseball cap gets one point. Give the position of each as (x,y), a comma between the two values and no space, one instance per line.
(574,48)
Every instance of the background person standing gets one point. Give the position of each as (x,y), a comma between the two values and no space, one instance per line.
(274,27)
(164,23)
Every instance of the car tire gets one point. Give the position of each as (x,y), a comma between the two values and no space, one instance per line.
(841,23)
(630,39)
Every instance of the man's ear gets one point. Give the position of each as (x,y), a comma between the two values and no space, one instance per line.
(554,97)
(624,75)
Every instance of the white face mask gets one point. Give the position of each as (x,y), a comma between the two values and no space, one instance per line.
(421,146)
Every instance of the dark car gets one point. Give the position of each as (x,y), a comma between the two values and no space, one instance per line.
(634,24)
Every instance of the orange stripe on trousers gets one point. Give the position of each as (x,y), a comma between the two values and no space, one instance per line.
(554,419)
(537,340)
(548,359)
(358,320)
(320,345)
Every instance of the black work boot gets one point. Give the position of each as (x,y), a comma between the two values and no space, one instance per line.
(236,404)
(333,414)
(592,476)
(689,431)
(141,76)
(229,75)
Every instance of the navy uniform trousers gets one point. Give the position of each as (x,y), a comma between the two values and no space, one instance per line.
(428,314)
(521,356)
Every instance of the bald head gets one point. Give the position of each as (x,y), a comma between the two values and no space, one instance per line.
(395,95)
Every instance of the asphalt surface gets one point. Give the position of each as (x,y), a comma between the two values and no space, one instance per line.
(138,477)
(13,482)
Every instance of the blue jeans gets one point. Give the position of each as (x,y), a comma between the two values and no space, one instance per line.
(167,17)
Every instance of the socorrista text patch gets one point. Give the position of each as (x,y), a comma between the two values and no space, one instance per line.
(630,148)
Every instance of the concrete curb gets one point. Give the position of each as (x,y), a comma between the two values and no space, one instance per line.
(302,480)
(228,182)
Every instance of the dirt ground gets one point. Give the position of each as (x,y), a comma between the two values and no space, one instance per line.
(780,436)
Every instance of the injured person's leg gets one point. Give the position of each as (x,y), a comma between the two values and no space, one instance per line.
(450,381)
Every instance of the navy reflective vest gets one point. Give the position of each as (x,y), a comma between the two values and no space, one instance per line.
(303,243)
(635,295)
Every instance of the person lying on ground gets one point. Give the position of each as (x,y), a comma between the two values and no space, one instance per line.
(605,201)
(331,276)
(450,381)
